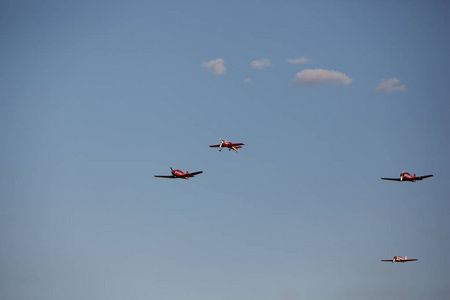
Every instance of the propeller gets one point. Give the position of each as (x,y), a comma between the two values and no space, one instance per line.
(401,175)
(221,143)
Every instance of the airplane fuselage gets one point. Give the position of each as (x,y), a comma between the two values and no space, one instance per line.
(405,175)
(180,174)
(230,146)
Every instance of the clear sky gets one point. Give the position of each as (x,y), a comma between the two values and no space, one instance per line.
(96,97)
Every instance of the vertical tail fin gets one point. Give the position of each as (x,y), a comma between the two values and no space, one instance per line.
(406,256)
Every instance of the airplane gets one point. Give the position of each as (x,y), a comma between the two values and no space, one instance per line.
(398,258)
(407,177)
(179,174)
(227,144)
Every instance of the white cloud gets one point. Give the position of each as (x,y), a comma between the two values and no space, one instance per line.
(317,76)
(298,61)
(260,64)
(215,66)
(390,85)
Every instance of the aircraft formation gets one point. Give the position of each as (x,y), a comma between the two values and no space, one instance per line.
(404,176)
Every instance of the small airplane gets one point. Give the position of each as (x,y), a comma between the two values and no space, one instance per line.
(227,144)
(179,174)
(398,258)
(407,177)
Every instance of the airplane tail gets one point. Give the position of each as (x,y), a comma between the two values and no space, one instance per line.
(406,256)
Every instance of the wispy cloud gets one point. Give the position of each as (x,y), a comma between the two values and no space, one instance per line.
(317,76)
(298,61)
(215,66)
(260,64)
(390,85)
(248,80)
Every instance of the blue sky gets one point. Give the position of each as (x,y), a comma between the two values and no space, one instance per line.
(98,96)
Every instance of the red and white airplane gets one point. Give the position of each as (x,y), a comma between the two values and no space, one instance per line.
(179,174)
(227,144)
(398,258)
(408,177)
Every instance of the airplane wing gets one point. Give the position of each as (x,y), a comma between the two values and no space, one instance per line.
(423,177)
(393,179)
(412,259)
(389,260)
(417,178)
(169,176)
(193,174)
(227,145)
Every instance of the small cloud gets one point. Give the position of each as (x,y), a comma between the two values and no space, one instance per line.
(260,64)
(298,61)
(317,76)
(390,85)
(248,80)
(215,66)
